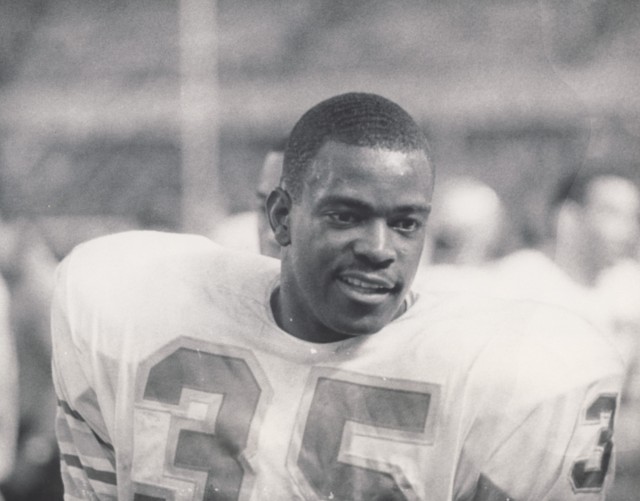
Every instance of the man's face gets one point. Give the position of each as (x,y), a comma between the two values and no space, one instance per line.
(612,219)
(356,237)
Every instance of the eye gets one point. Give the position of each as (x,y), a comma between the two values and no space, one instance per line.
(406,225)
(343,218)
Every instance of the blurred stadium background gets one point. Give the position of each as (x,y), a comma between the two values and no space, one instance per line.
(158,113)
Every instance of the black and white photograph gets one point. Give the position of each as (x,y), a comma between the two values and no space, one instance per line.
(319,250)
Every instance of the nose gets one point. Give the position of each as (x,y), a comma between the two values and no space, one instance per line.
(376,244)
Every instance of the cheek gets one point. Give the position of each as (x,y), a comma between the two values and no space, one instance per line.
(410,249)
(311,252)
(315,237)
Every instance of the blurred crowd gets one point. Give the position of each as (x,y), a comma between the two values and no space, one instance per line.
(29,467)
(586,260)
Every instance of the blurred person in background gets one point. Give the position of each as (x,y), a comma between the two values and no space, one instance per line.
(618,287)
(469,230)
(618,277)
(9,409)
(269,180)
(250,230)
(468,223)
(598,224)
(592,224)
(27,264)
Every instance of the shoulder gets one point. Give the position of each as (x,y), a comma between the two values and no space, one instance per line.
(135,251)
(126,268)
(135,246)
(534,345)
(548,351)
(564,333)
(126,257)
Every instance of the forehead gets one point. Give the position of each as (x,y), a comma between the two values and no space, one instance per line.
(369,174)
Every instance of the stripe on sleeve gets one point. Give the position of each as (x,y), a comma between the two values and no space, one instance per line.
(106,477)
(78,417)
(488,491)
(68,410)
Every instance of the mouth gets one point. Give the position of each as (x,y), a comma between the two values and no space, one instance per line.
(365,288)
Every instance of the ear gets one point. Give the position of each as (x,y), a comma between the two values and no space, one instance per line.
(278,211)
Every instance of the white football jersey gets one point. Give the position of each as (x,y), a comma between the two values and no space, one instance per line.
(175,383)
(530,273)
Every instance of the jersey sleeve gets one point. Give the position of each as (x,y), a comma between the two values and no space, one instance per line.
(550,435)
(87,456)
(562,451)
(8,389)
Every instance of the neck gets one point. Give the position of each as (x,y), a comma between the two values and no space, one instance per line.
(303,327)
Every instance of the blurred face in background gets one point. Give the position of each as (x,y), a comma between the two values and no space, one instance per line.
(467,224)
(611,220)
(269,179)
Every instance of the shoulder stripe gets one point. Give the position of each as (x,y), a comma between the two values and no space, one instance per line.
(78,417)
(488,491)
(103,443)
(68,410)
(106,477)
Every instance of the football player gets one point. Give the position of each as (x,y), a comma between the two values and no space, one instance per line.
(187,371)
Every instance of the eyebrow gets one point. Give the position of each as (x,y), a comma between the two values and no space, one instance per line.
(364,206)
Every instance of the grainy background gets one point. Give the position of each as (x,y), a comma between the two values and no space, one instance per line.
(514,92)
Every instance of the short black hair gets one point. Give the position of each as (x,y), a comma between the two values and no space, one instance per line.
(355,119)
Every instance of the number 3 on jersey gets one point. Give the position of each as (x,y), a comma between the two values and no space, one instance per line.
(207,408)
(588,473)
(210,407)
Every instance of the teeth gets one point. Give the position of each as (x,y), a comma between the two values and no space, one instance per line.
(363,285)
